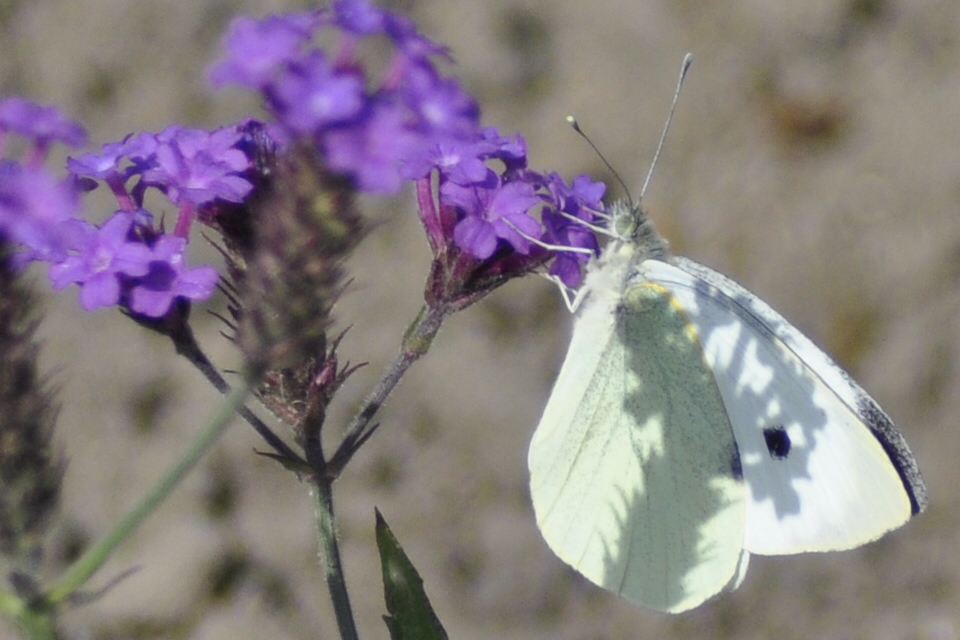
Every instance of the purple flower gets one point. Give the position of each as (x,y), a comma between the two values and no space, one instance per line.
(412,46)
(366,132)
(113,266)
(196,166)
(126,263)
(568,265)
(318,96)
(168,278)
(479,208)
(458,161)
(139,148)
(190,166)
(511,151)
(441,105)
(491,212)
(359,17)
(372,149)
(587,193)
(33,207)
(257,49)
(101,256)
(128,260)
(102,166)
(378,127)
(580,201)
(42,124)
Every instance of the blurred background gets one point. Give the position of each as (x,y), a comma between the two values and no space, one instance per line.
(815,158)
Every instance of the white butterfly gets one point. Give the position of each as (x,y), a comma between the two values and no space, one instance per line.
(691,425)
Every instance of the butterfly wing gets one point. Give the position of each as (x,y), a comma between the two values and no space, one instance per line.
(635,476)
(825,468)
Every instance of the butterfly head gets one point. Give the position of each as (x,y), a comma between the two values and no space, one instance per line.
(631,227)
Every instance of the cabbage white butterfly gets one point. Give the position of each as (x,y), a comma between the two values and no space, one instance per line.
(691,425)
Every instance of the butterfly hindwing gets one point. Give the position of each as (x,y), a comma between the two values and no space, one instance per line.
(635,475)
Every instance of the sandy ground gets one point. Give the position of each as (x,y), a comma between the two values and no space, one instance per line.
(815,157)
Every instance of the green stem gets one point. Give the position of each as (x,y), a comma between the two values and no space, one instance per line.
(35,623)
(330,557)
(94,558)
(416,342)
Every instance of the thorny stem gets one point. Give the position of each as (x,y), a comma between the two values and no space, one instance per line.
(187,346)
(416,343)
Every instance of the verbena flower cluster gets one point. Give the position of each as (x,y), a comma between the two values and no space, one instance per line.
(483,209)
(129,259)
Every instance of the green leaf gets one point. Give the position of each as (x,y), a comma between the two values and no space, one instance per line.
(411,616)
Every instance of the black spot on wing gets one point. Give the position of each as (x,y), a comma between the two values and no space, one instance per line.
(778,442)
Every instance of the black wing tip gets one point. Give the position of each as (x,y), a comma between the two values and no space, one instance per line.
(896,449)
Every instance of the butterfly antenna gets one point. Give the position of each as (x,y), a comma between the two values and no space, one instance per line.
(576,127)
(684,67)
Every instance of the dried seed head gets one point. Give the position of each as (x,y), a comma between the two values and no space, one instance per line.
(304,229)
(30,473)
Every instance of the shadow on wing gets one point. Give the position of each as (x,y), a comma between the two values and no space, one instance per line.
(766,387)
(679,507)
(820,471)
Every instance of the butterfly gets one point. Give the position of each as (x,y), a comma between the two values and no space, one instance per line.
(691,426)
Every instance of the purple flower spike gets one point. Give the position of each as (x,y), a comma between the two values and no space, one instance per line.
(167,279)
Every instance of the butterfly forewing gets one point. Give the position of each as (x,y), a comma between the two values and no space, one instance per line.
(824,467)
